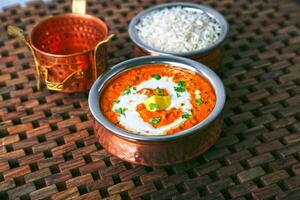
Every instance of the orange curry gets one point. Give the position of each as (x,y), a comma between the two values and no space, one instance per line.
(201,96)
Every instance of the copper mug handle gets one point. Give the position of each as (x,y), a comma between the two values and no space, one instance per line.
(79,6)
(17,32)
(59,86)
(100,61)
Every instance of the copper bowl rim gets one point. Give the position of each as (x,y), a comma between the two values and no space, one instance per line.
(180,62)
(195,7)
(85,16)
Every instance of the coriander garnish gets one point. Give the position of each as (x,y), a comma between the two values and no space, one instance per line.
(152,106)
(180,88)
(199,101)
(181,83)
(156,76)
(155,120)
(186,116)
(120,111)
(126,91)
(115,102)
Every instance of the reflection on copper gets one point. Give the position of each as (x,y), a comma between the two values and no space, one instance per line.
(64,46)
(212,59)
(159,153)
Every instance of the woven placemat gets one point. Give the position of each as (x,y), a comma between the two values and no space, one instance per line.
(49,151)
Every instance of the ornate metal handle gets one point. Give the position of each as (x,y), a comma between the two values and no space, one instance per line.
(99,60)
(17,32)
(59,86)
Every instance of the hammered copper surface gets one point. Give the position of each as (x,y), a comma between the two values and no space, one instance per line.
(211,59)
(64,44)
(158,153)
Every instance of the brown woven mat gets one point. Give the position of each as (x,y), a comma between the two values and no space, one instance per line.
(48,150)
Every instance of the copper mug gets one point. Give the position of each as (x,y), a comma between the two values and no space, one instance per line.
(69,50)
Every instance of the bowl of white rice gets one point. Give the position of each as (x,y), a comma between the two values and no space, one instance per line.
(181,29)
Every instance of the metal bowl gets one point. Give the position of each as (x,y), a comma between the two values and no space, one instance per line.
(210,55)
(157,150)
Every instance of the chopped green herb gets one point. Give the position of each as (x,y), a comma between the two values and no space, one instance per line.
(186,116)
(134,88)
(126,91)
(118,122)
(120,111)
(181,83)
(179,89)
(115,102)
(199,101)
(152,106)
(155,120)
(156,76)
(159,91)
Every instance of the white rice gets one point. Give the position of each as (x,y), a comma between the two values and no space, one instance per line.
(178,30)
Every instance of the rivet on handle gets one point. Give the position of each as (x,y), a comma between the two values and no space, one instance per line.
(79,6)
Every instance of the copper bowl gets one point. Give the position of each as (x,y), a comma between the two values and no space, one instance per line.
(157,150)
(210,56)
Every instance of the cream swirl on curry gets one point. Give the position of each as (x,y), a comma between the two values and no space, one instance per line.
(157,99)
